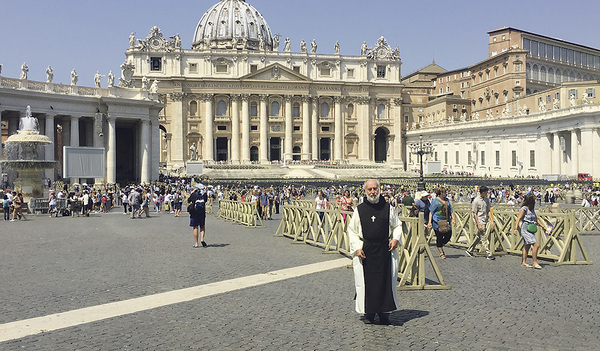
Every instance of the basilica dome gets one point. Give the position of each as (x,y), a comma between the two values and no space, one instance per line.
(232,24)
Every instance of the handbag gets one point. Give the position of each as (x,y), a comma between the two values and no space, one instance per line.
(443,226)
(532,228)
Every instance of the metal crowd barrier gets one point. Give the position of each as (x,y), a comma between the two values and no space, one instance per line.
(243,213)
(40,205)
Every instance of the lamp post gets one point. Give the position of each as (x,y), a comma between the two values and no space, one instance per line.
(421,149)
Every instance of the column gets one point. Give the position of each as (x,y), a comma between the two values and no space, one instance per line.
(574,153)
(305,128)
(587,151)
(209,154)
(556,150)
(339,130)
(544,160)
(49,149)
(245,129)
(145,151)
(315,128)
(235,128)
(74,139)
(111,151)
(364,127)
(264,125)
(595,165)
(178,147)
(289,129)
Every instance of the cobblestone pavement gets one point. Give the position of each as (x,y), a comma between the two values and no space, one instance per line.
(60,264)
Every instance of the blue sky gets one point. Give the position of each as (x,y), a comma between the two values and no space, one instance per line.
(93,35)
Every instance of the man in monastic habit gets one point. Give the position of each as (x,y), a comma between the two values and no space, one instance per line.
(374,232)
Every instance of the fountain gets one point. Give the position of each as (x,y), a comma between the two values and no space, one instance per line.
(23,151)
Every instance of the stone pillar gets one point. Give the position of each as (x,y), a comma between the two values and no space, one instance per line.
(235,128)
(49,149)
(74,139)
(305,128)
(178,146)
(245,129)
(111,151)
(339,130)
(264,125)
(289,129)
(544,163)
(209,153)
(596,146)
(145,144)
(587,151)
(556,151)
(574,153)
(315,128)
(364,127)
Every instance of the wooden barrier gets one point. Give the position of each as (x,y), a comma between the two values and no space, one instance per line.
(243,213)
(329,231)
(563,246)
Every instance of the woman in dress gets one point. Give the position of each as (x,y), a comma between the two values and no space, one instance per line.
(528,217)
(441,210)
(346,203)
(321,203)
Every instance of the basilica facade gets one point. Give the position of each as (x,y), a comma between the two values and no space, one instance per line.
(242,95)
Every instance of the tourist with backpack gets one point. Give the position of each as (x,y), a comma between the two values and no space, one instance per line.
(197,210)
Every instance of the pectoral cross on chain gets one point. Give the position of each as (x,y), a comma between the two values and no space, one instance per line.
(373,219)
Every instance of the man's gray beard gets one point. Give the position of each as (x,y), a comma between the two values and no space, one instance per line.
(374,199)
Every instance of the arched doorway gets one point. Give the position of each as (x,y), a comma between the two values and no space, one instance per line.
(254,154)
(381,144)
(296,153)
(222,145)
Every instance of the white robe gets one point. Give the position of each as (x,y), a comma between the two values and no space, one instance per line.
(355,236)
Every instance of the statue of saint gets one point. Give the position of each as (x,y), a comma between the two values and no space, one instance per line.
(584,99)
(288,46)
(193,152)
(313,47)
(97,79)
(572,99)
(336,48)
(364,48)
(154,87)
(131,40)
(24,71)
(556,104)
(111,79)
(276,42)
(261,42)
(177,41)
(49,74)
(303,46)
(145,82)
(74,77)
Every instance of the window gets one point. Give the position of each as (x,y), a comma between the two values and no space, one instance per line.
(446,157)
(275,109)
(221,127)
(253,68)
(324,129)
(193,108)
(381,71)
(296,110)
(193,67)
(534,48)
(221,108)
(405,118)
(221,68)
(483,158)
(350,72)
(517,67)
(532,158)
(591,92)
(253,109)
(457,159)
(557,96)
(325,71)
(381,111)
(497,158)
(350,110)
(324,109)
(573,92)
(254,127)
(296,128)
(155,64)
(297,69)
(517,82)
(548,98)
(514,158)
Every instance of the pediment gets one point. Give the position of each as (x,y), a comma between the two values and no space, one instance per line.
(276,72)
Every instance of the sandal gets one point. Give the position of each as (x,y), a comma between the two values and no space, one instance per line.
(526,265)
(195,246)
(537,266)
(443,256)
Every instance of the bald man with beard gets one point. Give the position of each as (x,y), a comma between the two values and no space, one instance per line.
(375,232)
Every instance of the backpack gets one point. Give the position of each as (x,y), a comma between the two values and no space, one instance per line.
(199,205)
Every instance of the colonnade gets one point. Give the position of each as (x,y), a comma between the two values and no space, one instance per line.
(573,151)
